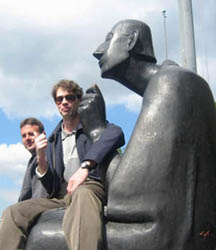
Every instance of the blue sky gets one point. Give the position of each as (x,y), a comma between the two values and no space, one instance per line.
(45,41)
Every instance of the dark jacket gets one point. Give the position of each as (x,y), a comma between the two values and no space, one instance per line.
(32,186)
(111,139)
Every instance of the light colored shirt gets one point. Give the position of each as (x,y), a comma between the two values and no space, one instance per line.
(70,154)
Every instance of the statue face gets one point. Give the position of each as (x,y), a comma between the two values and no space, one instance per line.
(113,51)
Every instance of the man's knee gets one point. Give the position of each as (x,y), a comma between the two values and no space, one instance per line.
(9,210)
(19,214)
(6,214)
(83,192)
(10,214)
(86,194)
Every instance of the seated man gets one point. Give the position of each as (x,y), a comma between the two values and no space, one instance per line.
(72,173)
(32,187)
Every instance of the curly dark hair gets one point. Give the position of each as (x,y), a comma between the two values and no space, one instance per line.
(68,85)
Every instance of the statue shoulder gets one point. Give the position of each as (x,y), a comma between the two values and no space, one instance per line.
(172,79)
(171,73)
(168,63)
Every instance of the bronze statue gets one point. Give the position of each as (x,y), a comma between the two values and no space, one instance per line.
(161,193)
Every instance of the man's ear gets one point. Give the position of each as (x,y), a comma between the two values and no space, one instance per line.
(132,39)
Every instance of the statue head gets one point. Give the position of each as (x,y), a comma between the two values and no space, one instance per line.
(128,38)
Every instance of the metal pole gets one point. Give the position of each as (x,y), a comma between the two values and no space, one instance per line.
(188,53)
(165,32)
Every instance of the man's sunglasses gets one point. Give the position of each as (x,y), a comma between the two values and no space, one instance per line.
(69,98)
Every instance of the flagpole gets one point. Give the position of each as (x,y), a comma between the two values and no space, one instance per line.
(187,41)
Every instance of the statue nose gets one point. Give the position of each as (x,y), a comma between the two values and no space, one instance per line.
(97,54)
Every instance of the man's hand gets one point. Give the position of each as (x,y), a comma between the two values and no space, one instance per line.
(40,144)
(80,175)
(77,179)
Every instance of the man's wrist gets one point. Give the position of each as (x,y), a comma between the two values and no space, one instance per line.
(41,156)
(40,173)
(87,165)
(42,166)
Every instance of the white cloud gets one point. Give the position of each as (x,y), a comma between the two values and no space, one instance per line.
(13,161)
(132,102)
(24,97)
(45,41)
(54,13)
(9,196)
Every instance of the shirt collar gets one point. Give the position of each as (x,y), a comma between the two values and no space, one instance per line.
(66,134)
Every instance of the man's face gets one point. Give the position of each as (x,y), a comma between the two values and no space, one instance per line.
(28,134)
(67,103)
(114,51)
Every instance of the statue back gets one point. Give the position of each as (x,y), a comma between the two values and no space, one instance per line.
(162,194)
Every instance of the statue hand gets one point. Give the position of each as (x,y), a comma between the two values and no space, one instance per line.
(92,113)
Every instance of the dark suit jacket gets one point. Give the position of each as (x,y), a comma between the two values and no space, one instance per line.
(101,151)
(32,186)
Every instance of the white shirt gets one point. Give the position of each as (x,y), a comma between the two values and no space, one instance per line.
(70,154)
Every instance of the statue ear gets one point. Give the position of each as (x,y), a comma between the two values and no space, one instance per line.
(132,39)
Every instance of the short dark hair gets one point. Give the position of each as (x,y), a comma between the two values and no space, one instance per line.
(32,121)
(68,85)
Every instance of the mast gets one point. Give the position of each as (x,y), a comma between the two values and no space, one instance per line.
(187,41)
(165,32)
